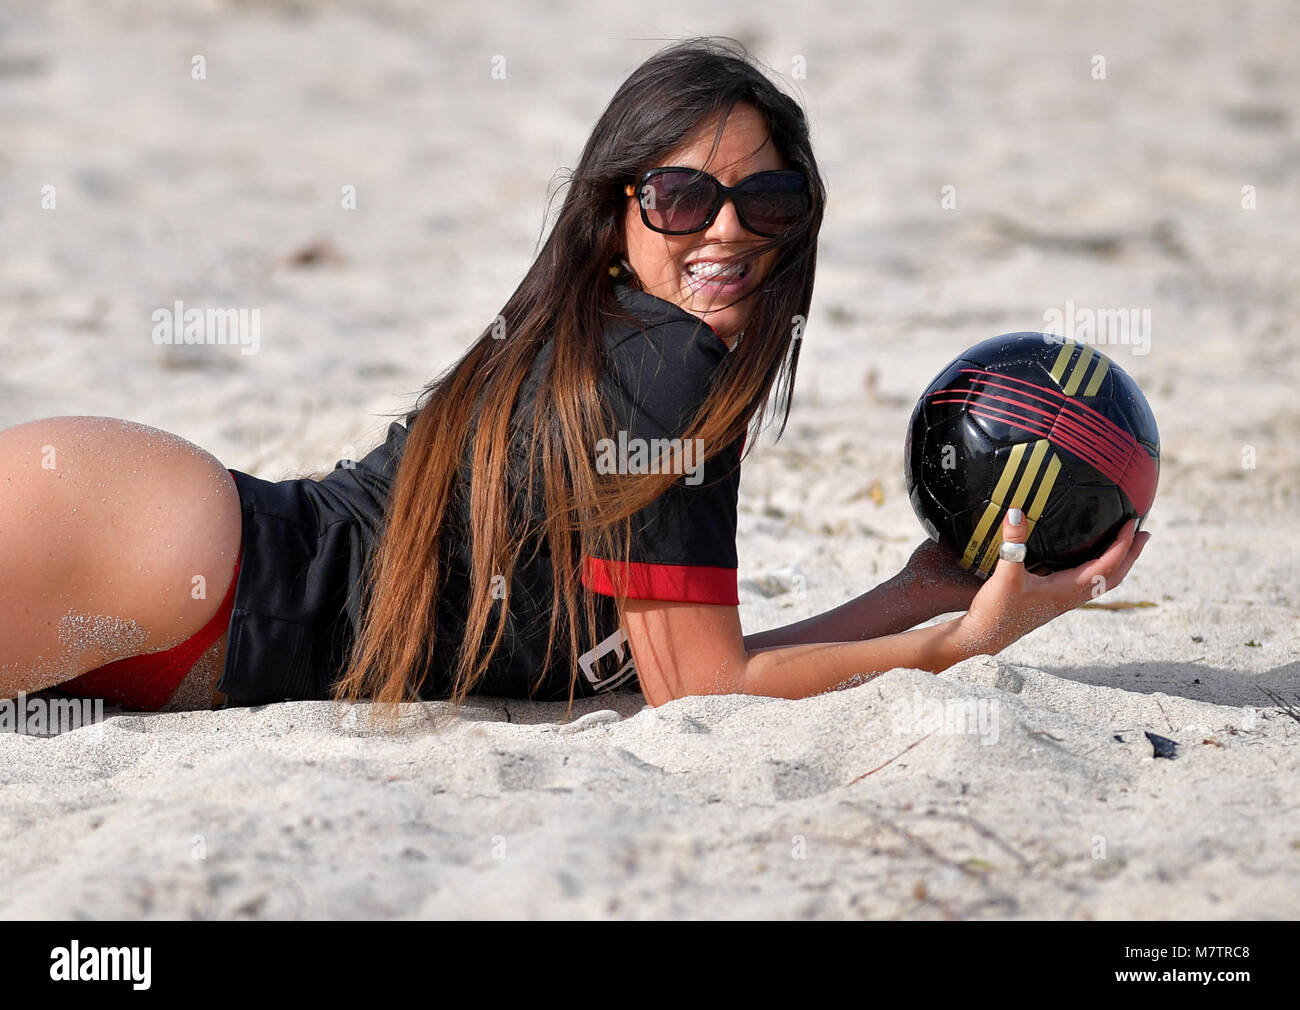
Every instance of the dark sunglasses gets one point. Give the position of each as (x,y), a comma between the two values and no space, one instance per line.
(680,201)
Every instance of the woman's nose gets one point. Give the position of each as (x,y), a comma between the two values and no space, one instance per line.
(726,226)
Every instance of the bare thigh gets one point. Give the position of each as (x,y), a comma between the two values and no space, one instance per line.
(118,540)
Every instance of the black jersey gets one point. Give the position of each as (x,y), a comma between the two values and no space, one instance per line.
(306,543)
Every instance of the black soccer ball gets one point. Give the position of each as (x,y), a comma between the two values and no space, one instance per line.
(1035,422)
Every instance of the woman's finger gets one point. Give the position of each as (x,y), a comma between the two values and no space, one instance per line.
(1015,531)
(1105,566)
(1139,542)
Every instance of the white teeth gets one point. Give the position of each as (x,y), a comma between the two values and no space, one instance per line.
(708,268)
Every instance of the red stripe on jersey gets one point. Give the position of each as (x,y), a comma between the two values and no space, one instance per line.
(671,583)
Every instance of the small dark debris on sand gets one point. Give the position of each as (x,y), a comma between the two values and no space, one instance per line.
(1164,747)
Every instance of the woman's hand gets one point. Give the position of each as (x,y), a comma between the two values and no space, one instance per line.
(1013,602)
(935,578)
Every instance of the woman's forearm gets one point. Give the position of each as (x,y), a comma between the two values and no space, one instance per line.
(888,609)
(798,671)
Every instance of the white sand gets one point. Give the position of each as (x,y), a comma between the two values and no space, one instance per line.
(1117,193)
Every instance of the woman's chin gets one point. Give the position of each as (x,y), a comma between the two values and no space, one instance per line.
(716,320)
(725,321)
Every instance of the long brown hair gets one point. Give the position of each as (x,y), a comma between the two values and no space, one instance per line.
(463,417)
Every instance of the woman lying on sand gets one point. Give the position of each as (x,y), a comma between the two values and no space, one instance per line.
(585,450)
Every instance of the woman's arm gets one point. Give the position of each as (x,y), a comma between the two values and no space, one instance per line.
(686,649)
(931,584)
(689,648)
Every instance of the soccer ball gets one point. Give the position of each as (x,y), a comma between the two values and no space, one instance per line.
(1035,422)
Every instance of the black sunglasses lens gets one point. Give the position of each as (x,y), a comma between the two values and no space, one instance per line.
(678,201)
(772,204)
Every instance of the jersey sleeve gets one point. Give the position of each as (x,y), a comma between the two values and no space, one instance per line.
(361,487)
(683,544)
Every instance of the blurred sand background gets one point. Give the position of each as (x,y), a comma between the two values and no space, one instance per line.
(1124,192)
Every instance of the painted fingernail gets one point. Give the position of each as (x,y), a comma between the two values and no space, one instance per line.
(1016,516)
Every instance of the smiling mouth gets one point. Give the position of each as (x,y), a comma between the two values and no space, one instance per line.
(714,275)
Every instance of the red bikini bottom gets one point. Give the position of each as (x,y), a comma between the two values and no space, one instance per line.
(145,683)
